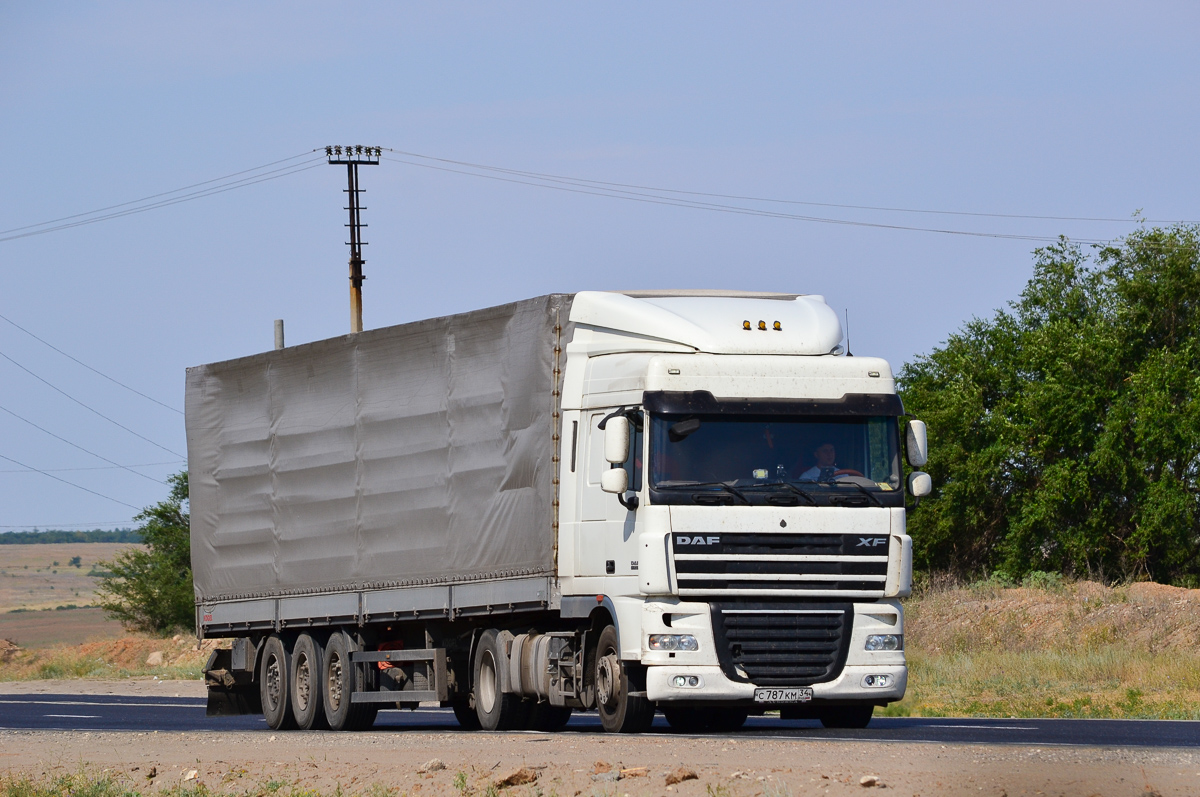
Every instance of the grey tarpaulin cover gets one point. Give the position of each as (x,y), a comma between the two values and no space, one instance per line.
(414,454)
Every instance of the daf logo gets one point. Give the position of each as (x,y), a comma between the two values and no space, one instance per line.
(871,542)
(685,540)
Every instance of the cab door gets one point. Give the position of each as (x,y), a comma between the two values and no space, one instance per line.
(604,544)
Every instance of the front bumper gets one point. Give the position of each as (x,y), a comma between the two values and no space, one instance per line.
(717,688)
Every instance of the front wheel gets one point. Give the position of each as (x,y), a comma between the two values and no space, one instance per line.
(615,680)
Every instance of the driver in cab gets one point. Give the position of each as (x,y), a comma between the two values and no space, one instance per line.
(826,469)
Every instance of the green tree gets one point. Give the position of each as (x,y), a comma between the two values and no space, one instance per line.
(150,589)
(1065,430)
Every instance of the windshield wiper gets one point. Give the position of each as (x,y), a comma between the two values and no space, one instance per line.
(673,485)
(859,487)
(791,488)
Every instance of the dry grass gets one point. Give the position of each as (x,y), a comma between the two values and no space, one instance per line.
(1081,650)
(37,577)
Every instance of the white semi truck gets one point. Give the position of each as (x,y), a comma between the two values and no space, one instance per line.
(689,502)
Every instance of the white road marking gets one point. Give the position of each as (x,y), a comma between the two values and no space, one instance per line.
(984,727)
(74,716)
(94,703)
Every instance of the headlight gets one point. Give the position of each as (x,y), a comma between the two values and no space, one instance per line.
(673,642)
(885,642)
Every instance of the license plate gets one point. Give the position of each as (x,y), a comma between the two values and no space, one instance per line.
(783,694)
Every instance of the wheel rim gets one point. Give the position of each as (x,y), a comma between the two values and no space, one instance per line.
(608,680)
(273,682)
(487,681)
(334,692)
(303,682)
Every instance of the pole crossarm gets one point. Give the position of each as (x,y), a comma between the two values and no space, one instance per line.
(357,154)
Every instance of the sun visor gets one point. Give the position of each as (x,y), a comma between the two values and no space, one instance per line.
(702,402)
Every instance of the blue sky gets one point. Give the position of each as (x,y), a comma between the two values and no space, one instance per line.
(1079,110)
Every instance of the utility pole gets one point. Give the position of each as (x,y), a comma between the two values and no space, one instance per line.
(352,158)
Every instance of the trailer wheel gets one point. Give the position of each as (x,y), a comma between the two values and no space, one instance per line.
(620,711)
(307,683)
(340,680)
(274,676)
(846,716)
(497,710)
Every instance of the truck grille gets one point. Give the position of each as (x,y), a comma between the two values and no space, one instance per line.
(781,565)
(782,646)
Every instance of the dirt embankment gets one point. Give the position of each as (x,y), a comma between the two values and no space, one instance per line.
(1143,617)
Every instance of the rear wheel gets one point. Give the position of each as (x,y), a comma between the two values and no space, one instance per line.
(274,676)
(496,709)
(307,681)
(846,716)
(616,680)
(340,680)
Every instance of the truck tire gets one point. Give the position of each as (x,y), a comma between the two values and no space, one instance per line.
(497,710)
(340,680)
(307,683)
(274,684)
(846,716)
(719,719)
(620,712)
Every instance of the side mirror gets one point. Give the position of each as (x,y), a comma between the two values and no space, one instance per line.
(616,443)
(919,484)
(615,480)
(916,444)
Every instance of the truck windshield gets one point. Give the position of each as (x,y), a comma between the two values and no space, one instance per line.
(808,458)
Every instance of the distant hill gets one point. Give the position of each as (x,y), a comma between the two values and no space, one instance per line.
(55,536)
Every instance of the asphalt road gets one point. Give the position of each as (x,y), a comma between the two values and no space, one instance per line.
(118,713)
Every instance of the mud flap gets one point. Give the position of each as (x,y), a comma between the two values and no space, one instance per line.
(230,692)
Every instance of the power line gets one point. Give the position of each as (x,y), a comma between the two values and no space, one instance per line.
(90,368)
(64,481)
(743,211)
(218,189)
(583,180)
(76,445)
(103,467)
(90,409)
(58,526)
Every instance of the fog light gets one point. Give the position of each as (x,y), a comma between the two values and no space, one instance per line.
(877,681)
(885,642)
(679,680)
(682,681)
(673,642)
(693,680)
